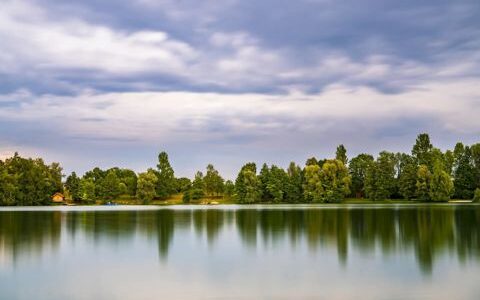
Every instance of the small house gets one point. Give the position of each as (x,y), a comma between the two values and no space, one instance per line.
(58,198)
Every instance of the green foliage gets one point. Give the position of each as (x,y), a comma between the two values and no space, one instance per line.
(335,181)
(358,169)
(341,154)
(312,188)
(182,184)
(146,186)
(475,150)
(87,189)
(380,177)
(277,183)
(449,160)
(110,185)
(228,189)
(213,181)
(464,175)
(424,178)
(407,177)
(294,189)
(198,187)
(186,196)
(311,161)
(441,185)
(422,150)
(72,184)
(476,195)
(330,183)
(264,178)
(248,187)
(166,179)
(28,181)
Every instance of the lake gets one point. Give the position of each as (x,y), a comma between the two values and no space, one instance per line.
(241,252)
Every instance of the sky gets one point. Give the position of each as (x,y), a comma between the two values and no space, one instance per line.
(112,83)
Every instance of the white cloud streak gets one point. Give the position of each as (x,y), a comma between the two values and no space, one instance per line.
(174,116)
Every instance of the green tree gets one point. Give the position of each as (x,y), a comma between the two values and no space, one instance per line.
(198,187)
(422,150)
(183,184)
(248,185)
(228,189)
(146,185)
(335,181)
(73,186)
(380,177)
(423,183)
(358,169)
(213,181)
(311,161)
(294,188)
(87,189)
(475,150)
(464,175)
(312,188)
(110,185)
(341,154)
(277,183)
(476,195)
(166,178)
(441,185)
(407,177)
(264,178)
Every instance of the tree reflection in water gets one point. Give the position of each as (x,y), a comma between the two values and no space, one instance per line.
(426,231)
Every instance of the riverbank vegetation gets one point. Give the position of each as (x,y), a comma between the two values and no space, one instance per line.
(426,174)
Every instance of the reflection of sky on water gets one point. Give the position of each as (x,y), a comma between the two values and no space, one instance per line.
(422,252)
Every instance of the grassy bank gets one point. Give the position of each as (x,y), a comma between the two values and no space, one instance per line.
(177,199)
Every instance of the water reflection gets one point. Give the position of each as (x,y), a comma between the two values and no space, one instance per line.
(425,232)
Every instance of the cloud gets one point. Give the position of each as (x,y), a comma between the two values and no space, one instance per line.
(53,47)
(150,116)
(236,80)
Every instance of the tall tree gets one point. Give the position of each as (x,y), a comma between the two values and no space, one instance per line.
(441,185)
(146,184)
(380,177)
(464,175)
(87,189)
(407,177)
(475,150)
(335,181)
(166,178)
(228,189)
(422,150)
(277,183)
(312,188)
(264,178)
(294,189)
(423,183)
(358,169)
(111,185)
(73,186)
(213,181)
(248,185)
(341,154)
(198,187)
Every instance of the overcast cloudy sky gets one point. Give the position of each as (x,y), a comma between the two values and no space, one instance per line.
(111,83)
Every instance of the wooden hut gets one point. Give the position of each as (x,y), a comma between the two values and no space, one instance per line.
(58,198)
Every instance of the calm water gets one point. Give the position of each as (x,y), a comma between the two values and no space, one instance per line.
(238,252)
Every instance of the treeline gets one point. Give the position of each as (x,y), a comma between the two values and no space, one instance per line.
(426,174)
(28,181)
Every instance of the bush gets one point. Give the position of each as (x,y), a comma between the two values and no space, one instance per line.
(476,195)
